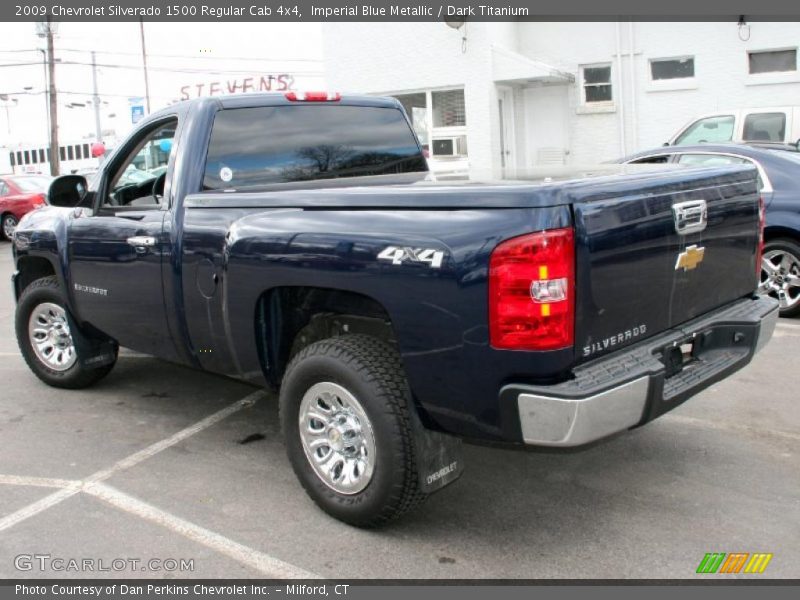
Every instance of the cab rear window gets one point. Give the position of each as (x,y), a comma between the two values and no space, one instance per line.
(252,147)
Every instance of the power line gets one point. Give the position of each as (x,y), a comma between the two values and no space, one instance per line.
(71,93)
(161,69)
(195,57)
(182,56)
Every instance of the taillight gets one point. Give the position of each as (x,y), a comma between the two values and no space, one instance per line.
(532,292)
(762,221)
(313,96)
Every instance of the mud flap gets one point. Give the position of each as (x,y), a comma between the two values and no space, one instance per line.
(92,352)
(440,457)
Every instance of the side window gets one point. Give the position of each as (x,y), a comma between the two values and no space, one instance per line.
(765,127)
(709,130)
(712,160)
(709,160)
(139,179)
(651,160)
(3,189)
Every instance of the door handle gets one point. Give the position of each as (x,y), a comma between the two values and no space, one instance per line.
(142,243)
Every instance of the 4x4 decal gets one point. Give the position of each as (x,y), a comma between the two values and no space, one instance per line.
(397,255)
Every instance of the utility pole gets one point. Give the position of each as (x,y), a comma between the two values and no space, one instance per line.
(47,31)
(144,64)
(46,95)
(96,100)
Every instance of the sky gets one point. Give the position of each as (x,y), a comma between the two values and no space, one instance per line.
(184,59)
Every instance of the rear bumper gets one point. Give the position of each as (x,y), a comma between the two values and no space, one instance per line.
(636,385)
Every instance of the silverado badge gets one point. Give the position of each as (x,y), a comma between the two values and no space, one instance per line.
(690,258)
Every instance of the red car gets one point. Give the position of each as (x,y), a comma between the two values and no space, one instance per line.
(19,195)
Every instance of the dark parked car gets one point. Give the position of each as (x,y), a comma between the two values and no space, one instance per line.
(20,194)
(779,183)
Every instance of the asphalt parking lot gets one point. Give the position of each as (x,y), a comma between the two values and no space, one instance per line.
(162,462)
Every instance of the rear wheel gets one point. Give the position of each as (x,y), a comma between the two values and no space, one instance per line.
(344,407)
(45,339)
(780,275)
(8,226)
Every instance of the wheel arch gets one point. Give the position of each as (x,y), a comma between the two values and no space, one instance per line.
(289,318)
(31,268)
(775,232)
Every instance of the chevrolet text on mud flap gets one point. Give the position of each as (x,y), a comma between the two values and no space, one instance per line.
(393,315)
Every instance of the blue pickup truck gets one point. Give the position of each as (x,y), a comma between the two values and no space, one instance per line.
(295,241)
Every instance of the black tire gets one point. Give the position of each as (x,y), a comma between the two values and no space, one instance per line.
(8,220)
(47,290)
(372,372)
(792,249)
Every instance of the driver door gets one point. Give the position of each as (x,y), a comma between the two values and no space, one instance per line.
(117,249)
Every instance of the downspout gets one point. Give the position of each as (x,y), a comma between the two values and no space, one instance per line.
(632,71)
(621,103)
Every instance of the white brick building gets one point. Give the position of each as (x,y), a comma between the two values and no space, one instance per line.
(526,94)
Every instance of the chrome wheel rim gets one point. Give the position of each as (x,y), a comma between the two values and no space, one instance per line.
(9,226)
(780,277)
(48,331)
(337,437)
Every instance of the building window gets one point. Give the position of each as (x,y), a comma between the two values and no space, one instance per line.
(672,68)
(772,61)
(416,107)
(439,120)
(448,109)
(596,83)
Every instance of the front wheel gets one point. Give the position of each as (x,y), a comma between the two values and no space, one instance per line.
(45,339)
(344,407)
(8,226)
(780,275)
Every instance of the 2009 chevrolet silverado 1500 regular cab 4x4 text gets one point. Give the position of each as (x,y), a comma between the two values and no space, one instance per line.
(294,241)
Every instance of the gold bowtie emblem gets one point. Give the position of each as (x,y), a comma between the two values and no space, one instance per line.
(690,258)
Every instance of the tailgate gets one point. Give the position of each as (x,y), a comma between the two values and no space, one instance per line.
(657,251)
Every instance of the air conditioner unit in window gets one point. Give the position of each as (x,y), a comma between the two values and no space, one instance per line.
(451,146)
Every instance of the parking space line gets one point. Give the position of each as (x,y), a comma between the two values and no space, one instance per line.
(265,564)
(40,505)
(36,481)
(788,435)
(787,332)
(51,500)
(153,449)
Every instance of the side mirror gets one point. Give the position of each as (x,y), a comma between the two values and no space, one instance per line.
(67,191)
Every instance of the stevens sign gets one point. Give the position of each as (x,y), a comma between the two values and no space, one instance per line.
(281,82)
